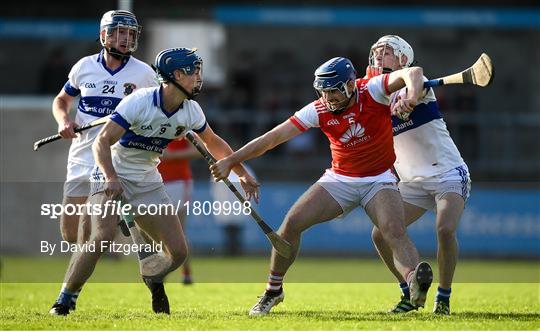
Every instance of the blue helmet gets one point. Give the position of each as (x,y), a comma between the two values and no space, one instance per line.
(334,74)
(119,19)
(184,59)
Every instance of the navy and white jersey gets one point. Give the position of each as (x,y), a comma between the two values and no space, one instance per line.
(149,128)
(101,90)
(423,144)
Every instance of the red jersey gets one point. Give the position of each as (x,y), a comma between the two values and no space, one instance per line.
(175,169)
(361,138)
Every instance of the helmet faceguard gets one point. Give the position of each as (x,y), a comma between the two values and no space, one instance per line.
(334,75)
(402,50)
(184,59)
(119,29)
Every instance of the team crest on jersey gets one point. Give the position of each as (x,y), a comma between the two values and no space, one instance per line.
(179,130)
(128,88)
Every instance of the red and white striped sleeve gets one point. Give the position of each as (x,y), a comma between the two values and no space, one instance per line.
(306,118)
(378,89)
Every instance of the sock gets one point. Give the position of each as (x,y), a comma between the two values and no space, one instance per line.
(275,282)
(65,297)
(186,272)
(443,294)
(405,290)
(409,277)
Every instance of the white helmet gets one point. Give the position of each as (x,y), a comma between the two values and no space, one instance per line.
(398,44)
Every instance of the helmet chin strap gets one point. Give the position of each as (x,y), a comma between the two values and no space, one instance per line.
(341,110)
(178,86)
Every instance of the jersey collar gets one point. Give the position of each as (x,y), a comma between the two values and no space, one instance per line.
(101,59)
(158,102)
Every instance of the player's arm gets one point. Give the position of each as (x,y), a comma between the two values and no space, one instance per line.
(190,152)
(220,149)
(413,79)
(101,148)
(280,134)
(60,109)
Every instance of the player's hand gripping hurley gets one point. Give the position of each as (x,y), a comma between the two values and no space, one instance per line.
(57,137)
(282,247)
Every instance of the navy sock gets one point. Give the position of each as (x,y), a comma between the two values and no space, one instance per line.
(443,294)
(65,297)
(405,290)
(75,297)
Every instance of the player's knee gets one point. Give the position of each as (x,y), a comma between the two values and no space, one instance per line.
(446,233)
(68,229)
(291,226)
(102,239)
(392,230)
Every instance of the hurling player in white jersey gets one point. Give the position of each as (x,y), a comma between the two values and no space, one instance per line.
(433,176)
(101,80)
(127,152)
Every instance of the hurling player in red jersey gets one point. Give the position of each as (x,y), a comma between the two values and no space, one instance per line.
(355,116)
(177,178)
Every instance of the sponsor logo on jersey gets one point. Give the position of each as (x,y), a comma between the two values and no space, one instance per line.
(145,127)
(143,146)
(165,125)
(355,131)
(110,82)
(333,122)
(128,88)
(90,85)
(106,102)
(402,126)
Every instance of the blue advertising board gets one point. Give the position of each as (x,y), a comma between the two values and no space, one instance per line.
(495,223)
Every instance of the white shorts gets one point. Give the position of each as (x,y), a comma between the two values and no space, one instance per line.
(179,190)
(77,180)
(351,192)
(135,193)
(427,192)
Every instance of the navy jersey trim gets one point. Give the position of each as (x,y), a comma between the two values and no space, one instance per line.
(153,144)
(158,95)
(422,114)
(70,90)
(116,117)
(101,59)
(200,130)
(98,106)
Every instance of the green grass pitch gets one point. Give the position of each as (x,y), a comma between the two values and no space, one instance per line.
(321,294)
